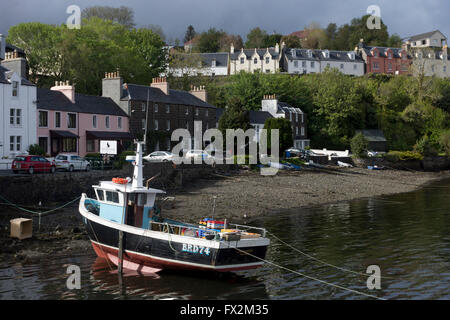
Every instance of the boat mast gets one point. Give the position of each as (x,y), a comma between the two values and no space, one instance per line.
(137,173)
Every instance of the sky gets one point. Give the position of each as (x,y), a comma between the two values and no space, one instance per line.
(403,17)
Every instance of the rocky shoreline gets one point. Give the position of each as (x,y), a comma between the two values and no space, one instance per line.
(239,197)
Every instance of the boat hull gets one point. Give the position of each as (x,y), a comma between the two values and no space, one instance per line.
(147,253)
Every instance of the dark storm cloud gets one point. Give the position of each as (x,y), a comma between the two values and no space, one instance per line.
(239,16)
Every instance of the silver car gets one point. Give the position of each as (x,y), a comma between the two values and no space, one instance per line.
(159,156)
(71,162)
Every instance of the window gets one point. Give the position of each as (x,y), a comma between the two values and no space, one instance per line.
(112,196)
(107,122)
(15,117)
(342,66)
(376,65)
(156,108)
(206,112)
(119,122)
(43,119)
(100,195)
(94,121)
(312,64)
(445,69)
(290,116)
(328,65)
(255,61)
(304,64)
(143,124)
(15,88)
(196,111)
(156,124)
(302,118)
(167,108)
(303,131)
(355,66)
(12,142)
(267,60)
(296,64)
(432,68)
(296,117)
(168,125)
(267,70)
(187,110)
(242,60)
(90,145)
(296,131)
(143,107)
(43,143)
(18,143)
(72,121)
(69,145)
(57,119)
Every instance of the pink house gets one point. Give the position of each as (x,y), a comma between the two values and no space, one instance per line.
(69,122)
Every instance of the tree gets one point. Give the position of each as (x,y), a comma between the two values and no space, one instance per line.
(291,41)
(122,15)
(210,40)
(316,38)
(156,29)
(331,34)
(359,145)
(234,116)
(190,34)
(285,132)
(256,38)
(394,41)
(230,39)
(272,40)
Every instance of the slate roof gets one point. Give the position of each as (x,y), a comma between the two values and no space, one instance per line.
(55,100)
(139,92)
(5,75)
(423,35)
(249,53)
(207,58)
(259,117)
(373,135)
(396,51)
(284,107)
(302,54)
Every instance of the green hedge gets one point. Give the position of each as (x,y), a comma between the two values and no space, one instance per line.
(395,156)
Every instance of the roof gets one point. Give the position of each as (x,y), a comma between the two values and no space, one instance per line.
(5,75)
(140,92)
(259,117)
(63,134)
(219,112)
(302,54)
(395,51)
(220,57)
(250,52)
(373,135)
(301,34)
(424,35)
(284,107)
(55,100)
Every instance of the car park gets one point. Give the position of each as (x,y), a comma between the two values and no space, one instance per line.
(32,164)
(71,162)
(159,156)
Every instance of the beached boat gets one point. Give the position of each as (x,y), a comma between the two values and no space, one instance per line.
(124,211)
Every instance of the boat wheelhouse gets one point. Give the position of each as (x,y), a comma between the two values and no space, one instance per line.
(124,210)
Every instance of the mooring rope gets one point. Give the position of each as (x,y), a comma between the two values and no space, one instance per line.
(306,276)
(40,213)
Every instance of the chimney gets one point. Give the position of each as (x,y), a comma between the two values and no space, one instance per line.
(65,88)
(15,63)
(2,46)
(361,43)
(232,48)
(270,104)
(199,92)
(277,48)
(112,85)
(160,83)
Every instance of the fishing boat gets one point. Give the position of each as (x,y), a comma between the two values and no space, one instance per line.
(126,227)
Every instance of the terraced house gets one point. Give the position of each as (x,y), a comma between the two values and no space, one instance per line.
(17,103)
(304,61)
(251,60)
(168,109)
(208,64)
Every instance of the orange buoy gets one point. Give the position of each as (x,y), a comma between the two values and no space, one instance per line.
(120,180)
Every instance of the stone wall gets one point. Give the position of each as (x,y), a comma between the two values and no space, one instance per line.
(427,164)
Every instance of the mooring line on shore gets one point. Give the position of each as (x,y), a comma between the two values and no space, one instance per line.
(306,276)
(38,213)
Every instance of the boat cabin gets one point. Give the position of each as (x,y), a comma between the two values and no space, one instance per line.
(125,204)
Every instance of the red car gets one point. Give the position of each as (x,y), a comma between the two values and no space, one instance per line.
(32,164)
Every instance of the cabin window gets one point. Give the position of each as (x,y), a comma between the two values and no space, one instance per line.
(112,196)
(100,195)
(142,199)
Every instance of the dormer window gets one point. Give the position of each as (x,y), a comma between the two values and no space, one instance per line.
(309,53)
(242,60)
(255,61)
(351,55)
(293,53)
(213,63)
(15,88)
(326,54)
(267,60)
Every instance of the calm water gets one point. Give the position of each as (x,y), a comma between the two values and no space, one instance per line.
(407,235)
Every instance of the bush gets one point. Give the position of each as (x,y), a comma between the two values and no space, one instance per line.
(444,142)
(425,147)
(359,145)
(35,149)
(395,156)
(93,155)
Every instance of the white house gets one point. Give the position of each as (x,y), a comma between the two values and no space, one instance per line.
(18,128)
(303,61)
(429,39)
(252,60)
(209,64)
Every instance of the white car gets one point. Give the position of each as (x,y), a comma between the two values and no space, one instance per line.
(159,156)
(71,162)
(197,154)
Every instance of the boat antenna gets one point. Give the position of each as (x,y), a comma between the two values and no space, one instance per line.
(146,120)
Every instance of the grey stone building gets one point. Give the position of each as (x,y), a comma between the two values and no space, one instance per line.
(168,109)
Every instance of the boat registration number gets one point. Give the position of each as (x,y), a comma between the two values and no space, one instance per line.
(192,248)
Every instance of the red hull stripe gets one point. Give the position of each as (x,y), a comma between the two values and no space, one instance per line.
(102,250)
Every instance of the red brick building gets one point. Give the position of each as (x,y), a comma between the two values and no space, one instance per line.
(385,60)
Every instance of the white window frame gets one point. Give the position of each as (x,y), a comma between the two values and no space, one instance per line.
(56,117)
(119,122)
(15,89)
(107,124)
(39,119)
(68,120)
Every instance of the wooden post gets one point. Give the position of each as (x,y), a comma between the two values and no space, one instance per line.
(120,264)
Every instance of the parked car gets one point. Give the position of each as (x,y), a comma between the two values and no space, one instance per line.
(301,153)
(197,154)
(71,162)
(159,156)
(32,164)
